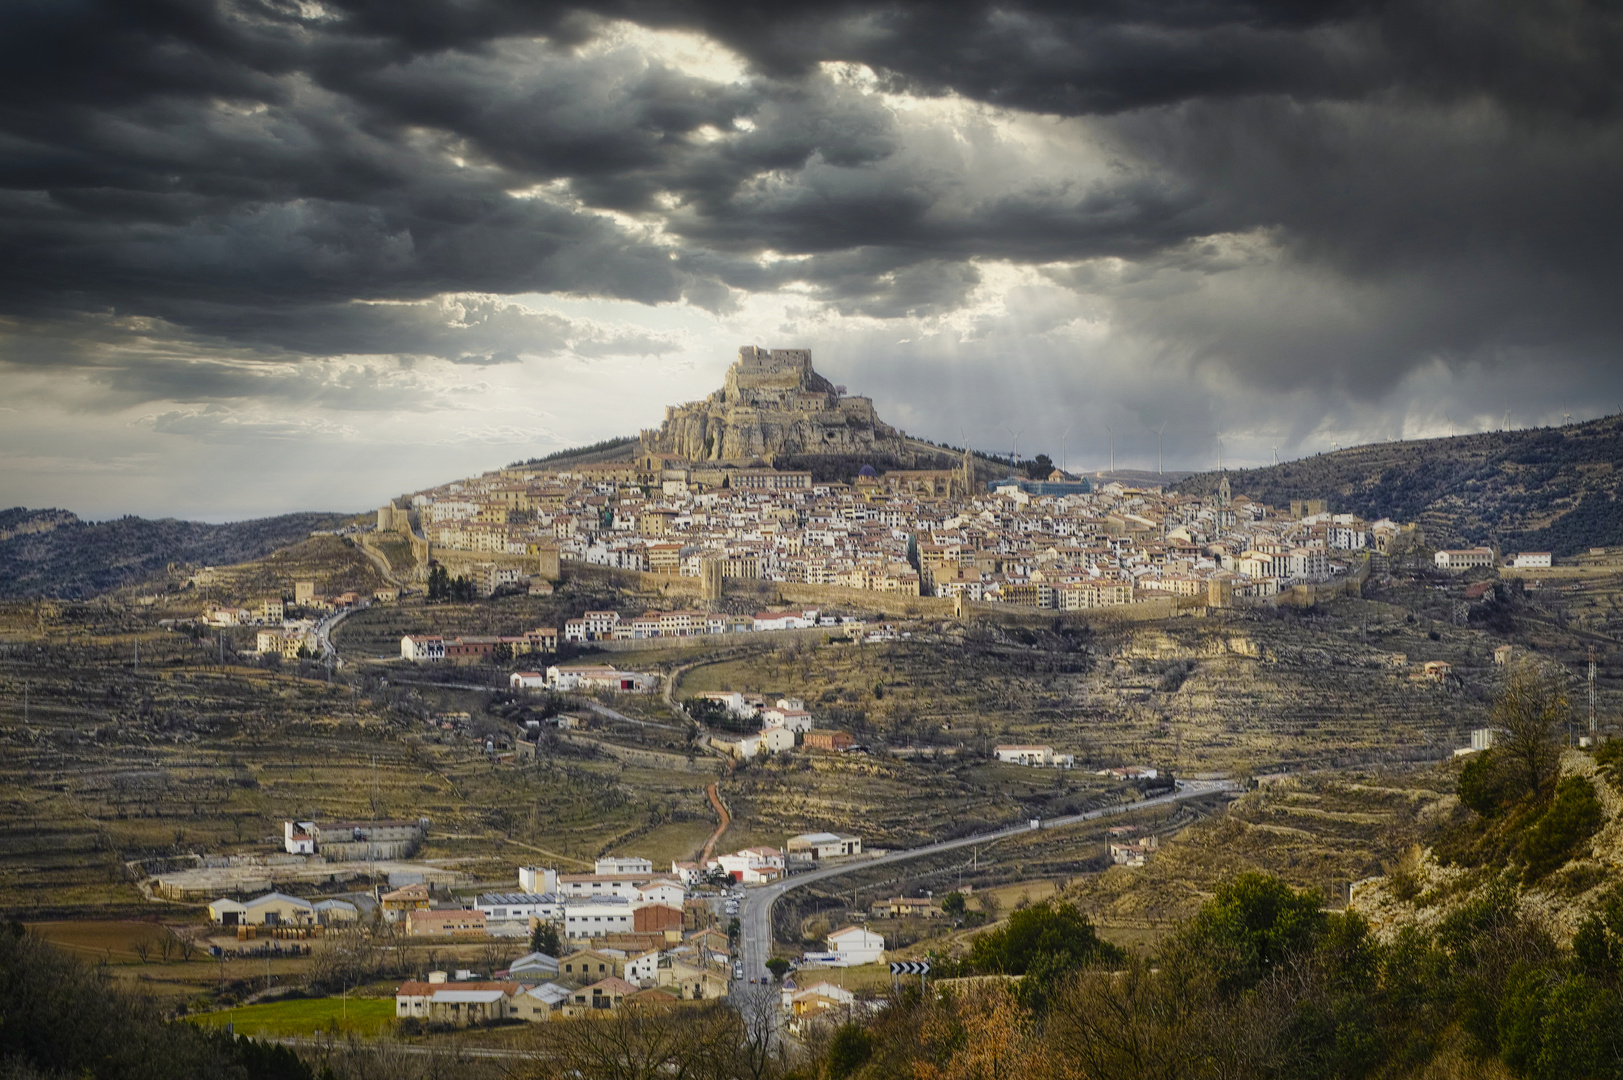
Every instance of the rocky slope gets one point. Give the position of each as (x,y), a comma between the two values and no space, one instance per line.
(773,406)
(1553,489)
(52,553)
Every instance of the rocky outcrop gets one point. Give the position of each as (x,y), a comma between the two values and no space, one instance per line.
(773,405)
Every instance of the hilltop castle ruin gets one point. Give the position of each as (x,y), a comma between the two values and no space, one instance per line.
(773,405)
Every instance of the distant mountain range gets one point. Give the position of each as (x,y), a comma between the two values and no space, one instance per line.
(53,553)
(1540,489)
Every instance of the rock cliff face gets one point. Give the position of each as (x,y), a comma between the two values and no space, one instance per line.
(773,405)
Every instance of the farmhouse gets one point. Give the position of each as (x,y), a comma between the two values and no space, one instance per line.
(1041,756)
(853,945)
(609,993)
(823,845)
(458,1003)
(832,741)
(339,841)
(599,677)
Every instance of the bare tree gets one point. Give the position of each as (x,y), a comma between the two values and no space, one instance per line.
(1531,711)
(347,959)
(759,1041)
(641,1042)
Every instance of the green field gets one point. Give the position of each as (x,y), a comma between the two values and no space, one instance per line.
(363,1016)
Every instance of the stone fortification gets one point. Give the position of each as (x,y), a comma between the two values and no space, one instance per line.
(771,405)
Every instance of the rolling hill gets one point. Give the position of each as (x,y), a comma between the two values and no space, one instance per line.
(1555,489)
(52,553)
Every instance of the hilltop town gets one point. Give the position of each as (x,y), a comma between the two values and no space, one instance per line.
(690,503)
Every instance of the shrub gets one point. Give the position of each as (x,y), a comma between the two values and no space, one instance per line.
(848,1051)
(1484,784)
(1574,815)
(1252,926)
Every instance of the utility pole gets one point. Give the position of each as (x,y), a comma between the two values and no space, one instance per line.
(1592,729)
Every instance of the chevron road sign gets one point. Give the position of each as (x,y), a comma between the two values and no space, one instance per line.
(910,967)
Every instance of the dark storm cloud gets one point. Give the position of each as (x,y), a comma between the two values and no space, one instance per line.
(1433,180)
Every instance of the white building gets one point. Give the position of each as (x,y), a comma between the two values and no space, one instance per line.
(643,969)
(527,680)
(792,718)
(1532,560)
(785,620)
(422,647)
(823,845)
(537,879)
(854,945)
(295,840)
(1308,563)
(596,917)
(753,866)
(519,907)
(1039,756)
(1131,772)
(599,677)
(623,864)
(1463,558)
(668,893)
(586,886)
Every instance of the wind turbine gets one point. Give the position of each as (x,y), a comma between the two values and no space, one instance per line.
(1062,456)
(1110,428)
(1014,462)
(1160,448)
(1566,419)
(1276,455)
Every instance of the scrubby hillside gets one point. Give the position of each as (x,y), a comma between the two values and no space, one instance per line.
(52,553)
(1551,489)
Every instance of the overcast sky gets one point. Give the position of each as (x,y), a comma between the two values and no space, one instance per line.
(269,255)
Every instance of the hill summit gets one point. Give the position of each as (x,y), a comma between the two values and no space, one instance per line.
(1535,489)
(771,406)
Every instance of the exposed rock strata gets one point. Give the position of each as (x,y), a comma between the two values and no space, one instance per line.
(773,405)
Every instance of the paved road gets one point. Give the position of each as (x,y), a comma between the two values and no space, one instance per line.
(604,710)
(327,625)
(755,912)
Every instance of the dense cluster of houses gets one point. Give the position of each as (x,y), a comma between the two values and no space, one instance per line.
(1059,543)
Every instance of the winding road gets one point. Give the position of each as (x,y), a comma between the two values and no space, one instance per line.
(755,911)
